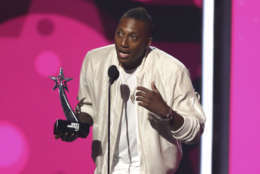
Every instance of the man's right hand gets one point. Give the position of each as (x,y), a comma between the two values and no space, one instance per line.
(67,136)
(70,136)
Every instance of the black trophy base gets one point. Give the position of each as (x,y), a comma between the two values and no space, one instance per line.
(79,129)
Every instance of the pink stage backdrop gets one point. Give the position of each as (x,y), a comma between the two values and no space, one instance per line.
(33,47)
(245,85)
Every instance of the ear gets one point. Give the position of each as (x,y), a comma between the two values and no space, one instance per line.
(149,41)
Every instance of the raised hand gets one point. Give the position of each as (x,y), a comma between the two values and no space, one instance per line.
(152,100)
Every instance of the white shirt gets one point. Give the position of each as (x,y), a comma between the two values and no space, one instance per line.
(127,156)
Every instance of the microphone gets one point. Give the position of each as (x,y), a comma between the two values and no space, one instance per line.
(113,74)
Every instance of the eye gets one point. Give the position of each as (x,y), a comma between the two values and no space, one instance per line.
(133,37)
(120,33)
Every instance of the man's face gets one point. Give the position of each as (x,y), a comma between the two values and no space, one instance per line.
(131,40)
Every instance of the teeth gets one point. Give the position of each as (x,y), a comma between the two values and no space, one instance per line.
(123,55)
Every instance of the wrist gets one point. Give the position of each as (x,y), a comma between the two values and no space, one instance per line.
(167,113)
(170,114)
(164,111)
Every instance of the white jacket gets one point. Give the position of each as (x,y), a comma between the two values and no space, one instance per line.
(160,146)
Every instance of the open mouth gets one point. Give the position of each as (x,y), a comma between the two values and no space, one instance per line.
(123,54)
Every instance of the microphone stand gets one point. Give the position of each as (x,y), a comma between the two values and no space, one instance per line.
(108,128)
(113,75)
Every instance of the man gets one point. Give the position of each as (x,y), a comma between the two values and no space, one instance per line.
(154,107)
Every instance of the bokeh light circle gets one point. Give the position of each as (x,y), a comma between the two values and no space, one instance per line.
(45,27)
(47,63)
(13,148)
(198,3)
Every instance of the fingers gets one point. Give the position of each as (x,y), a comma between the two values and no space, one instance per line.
(143,96)
(150,99)
(147,98)
(143,99)
(140,94)
(66,136)
(143,89)
(144,104)
(143,92)
(154,88)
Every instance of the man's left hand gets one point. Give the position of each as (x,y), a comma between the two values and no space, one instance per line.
(152,100)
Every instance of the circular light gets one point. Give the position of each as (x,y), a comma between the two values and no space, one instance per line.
(45,27)
(13,149)
(47,63)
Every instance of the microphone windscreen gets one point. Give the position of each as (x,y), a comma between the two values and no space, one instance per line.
(113,73)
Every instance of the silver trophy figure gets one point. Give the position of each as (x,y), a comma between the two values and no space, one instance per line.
(72,124)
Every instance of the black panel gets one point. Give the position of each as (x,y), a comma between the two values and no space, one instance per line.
(172,23)
(13,8)
(221,86)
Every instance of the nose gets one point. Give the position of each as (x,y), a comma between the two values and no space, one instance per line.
(124,42)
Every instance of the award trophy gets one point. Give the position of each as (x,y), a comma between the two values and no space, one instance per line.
(72,124)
